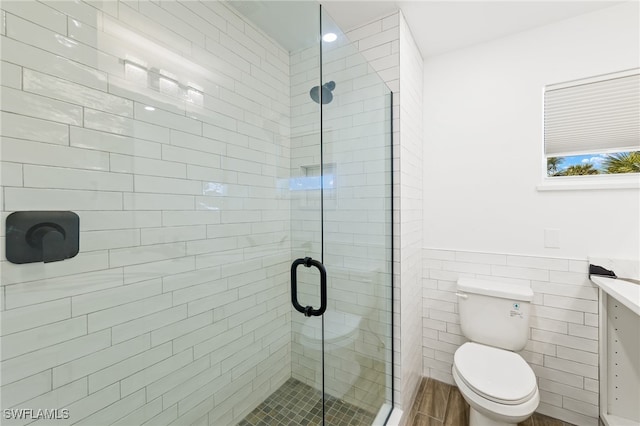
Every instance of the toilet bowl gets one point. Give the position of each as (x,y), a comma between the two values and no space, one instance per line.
(341,330)
(499,385)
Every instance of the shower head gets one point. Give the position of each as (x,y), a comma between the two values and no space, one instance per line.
(327,96)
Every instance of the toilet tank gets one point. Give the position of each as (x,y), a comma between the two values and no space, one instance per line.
(494,313)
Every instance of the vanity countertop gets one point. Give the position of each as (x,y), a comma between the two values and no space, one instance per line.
(626,292)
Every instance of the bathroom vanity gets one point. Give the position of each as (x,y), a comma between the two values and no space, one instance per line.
(619,346)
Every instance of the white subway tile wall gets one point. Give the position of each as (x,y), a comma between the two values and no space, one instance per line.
(563,338)
(388,46)
(165,127)
(411,149)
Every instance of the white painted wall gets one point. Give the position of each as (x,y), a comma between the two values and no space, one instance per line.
(483,216)
(483,142)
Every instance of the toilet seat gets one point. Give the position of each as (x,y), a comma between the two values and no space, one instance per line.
(340,328)
(498,375)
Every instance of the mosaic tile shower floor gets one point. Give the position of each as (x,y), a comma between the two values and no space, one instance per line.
(297,404)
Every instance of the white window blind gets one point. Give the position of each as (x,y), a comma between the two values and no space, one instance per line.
(595,115)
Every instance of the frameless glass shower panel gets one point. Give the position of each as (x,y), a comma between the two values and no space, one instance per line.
(305,188)
(166,127)
(357,214)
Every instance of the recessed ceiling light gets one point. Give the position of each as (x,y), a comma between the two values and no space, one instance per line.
(149,108)
(330,37)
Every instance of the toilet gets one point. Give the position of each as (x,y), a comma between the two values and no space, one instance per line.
(341,330)
(497,383)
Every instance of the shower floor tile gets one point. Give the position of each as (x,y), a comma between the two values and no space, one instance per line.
(297,404)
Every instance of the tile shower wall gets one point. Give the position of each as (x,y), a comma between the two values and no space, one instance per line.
(379,43)
(165,126)
(563,340)
(389,47)
(411,148)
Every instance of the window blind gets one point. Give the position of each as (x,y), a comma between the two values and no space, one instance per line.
(595,115)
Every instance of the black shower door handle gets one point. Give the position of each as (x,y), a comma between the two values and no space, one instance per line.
(308,310)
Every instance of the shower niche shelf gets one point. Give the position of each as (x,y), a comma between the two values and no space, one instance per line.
(312,179)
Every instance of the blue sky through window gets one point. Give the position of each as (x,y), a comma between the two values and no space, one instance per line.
(625,162)
(595,160)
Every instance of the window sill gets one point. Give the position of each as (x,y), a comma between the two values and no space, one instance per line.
(585,183)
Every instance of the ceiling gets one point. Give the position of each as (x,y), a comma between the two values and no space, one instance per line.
(437,26)
(293,24)
(442,26)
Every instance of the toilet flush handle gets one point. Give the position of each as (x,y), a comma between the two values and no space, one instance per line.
(461,295)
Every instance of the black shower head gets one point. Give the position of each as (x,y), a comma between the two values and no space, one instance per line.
(327,96)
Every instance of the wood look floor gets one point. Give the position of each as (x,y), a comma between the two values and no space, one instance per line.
(440,404)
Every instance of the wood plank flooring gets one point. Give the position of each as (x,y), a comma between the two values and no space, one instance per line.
(440,404)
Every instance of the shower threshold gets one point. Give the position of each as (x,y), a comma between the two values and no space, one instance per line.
(295,404)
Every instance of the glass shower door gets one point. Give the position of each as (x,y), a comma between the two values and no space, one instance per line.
(357,233)
(341,233)
(304,390)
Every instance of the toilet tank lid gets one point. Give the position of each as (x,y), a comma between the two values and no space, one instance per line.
(496,289)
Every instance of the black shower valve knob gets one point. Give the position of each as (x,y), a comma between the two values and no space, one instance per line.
(42,236)
(49,238)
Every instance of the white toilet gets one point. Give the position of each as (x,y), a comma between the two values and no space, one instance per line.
(497,383)
(341,330)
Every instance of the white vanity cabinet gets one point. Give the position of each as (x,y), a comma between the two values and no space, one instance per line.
(619,351)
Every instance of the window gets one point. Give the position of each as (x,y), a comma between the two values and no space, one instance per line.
(592,126)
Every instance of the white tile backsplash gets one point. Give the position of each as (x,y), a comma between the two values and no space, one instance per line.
(563,339)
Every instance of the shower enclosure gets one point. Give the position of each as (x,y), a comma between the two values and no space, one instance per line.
(230,165)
